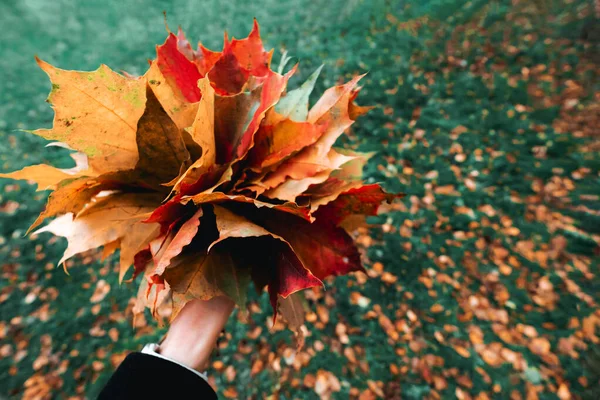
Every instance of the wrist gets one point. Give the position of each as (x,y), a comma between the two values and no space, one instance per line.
(192,349)
(193,334)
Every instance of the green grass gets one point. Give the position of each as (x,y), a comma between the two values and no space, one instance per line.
(478,263)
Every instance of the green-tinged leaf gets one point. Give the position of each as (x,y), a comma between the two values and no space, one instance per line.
(96,113)
(295,103)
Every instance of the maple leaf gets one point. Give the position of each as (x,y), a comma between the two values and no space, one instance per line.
(274,143)
(323,249)
(295,103)
(174,103)
(330,112)
(179,72)
(159,141)
(203,127)
(103,222)
(96,113)
(46,177)
(363,200)
(251,53)
(203,275)
(138,236)
(207,174)
(227,74)
(70,197)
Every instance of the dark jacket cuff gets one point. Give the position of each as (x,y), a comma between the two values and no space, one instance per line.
(149,377)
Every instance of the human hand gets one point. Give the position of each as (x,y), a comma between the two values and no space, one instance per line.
(194,332)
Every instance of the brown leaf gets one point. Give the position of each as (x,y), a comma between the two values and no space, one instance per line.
(462,351)
(204,275)
(539,346)
(162,150)
(188,280)
(102,289)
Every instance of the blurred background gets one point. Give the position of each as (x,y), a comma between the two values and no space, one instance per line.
(482,283)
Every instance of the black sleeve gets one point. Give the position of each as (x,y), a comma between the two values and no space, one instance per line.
(143,376)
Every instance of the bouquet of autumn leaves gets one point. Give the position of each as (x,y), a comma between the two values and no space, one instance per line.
(206,173)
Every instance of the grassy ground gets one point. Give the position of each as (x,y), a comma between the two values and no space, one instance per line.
(482,283)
